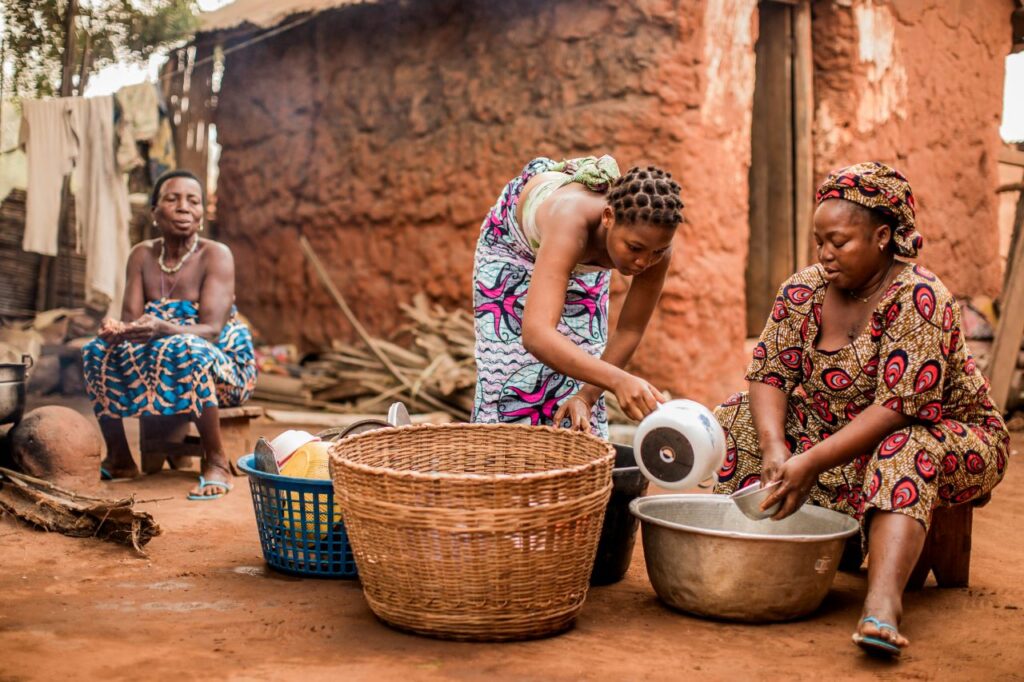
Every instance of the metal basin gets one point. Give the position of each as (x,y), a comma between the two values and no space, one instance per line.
(705,557)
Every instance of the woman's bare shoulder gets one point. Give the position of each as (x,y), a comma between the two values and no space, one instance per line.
(541,178)
(214,246)
(145,249)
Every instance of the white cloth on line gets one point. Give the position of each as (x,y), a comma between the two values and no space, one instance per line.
(75,132)
(102,213)
(51,147)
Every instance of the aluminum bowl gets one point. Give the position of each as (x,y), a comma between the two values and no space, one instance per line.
(705,557)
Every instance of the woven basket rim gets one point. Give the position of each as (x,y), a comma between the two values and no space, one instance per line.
(470,477)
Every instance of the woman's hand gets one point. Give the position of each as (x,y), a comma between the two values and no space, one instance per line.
(577,410)
(637,397)
(773,456)
(145,329)
(111,330)
(797,475)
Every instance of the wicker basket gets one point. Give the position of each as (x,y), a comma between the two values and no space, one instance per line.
(474,531)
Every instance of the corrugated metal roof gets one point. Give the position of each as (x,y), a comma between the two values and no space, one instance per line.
(264,13)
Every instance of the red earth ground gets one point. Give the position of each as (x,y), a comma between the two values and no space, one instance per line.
(203,605)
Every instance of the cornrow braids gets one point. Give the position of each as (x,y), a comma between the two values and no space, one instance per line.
(646,195)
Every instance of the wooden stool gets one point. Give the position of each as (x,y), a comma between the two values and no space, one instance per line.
(947,549)
(175,435)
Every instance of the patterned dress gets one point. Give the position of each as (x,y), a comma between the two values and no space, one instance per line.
(180,374)
(911,359)
(512,385)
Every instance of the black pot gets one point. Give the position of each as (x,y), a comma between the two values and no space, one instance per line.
(12,390)
(618,535)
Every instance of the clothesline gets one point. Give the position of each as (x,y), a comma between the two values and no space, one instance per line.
(234,48)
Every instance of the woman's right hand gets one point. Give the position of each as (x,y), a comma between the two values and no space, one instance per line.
(773,456)
(637,397)
(111,330)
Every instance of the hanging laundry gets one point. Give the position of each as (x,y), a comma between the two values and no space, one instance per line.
(47,132)
(13,164)
(75,133)
(140,108)
(127,149)
(161,151)
(102,214)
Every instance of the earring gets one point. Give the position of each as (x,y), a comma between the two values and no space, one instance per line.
(881,247)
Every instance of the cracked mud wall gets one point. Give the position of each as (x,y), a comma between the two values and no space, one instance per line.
(384,134)
(918,84)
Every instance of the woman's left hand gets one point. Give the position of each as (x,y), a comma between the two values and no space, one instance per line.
(145,329)
(577,410)
(797,476)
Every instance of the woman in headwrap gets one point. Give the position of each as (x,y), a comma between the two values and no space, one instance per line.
(179,347)
(555,233)
(862,373)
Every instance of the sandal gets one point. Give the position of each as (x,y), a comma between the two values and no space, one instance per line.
(876,645)
(203,484)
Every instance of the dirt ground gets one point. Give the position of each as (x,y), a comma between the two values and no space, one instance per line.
(203,605)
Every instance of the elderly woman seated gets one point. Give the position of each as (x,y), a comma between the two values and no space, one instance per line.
(179,347)
(863,395)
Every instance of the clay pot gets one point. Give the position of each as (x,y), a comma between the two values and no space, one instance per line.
(59,445)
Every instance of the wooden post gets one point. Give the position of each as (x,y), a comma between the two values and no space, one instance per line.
(1010,330)
(771,254)
(46,287)
(803,133)
(83,69)
(70,45)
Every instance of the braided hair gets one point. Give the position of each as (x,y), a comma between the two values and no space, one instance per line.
(646,195)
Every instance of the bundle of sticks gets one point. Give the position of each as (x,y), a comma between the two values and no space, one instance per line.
(433,370)
(436,372)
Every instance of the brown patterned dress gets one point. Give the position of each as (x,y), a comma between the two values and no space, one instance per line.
(911,358)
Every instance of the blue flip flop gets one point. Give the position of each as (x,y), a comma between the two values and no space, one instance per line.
(203,483)
(105,475)
(876,645)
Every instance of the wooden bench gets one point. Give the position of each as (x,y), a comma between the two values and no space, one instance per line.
(176,436)
(947,549)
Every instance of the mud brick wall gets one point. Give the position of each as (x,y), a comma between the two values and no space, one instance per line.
(384,132)
(919,84)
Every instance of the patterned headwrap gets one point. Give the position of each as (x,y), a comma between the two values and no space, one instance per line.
(881,188)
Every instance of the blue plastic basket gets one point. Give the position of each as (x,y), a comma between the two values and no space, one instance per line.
(300,527)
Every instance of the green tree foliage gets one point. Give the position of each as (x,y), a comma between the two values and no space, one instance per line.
(106,31)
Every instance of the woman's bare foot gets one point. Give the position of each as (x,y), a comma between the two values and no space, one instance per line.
(119,470)
(880,620)
(213,471)
(119,462)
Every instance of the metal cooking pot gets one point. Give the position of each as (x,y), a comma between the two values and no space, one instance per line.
(705,557)
(12,389)
(15,371)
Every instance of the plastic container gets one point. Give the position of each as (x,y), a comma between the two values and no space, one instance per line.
(618,534)
(300,527)
(679,445)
